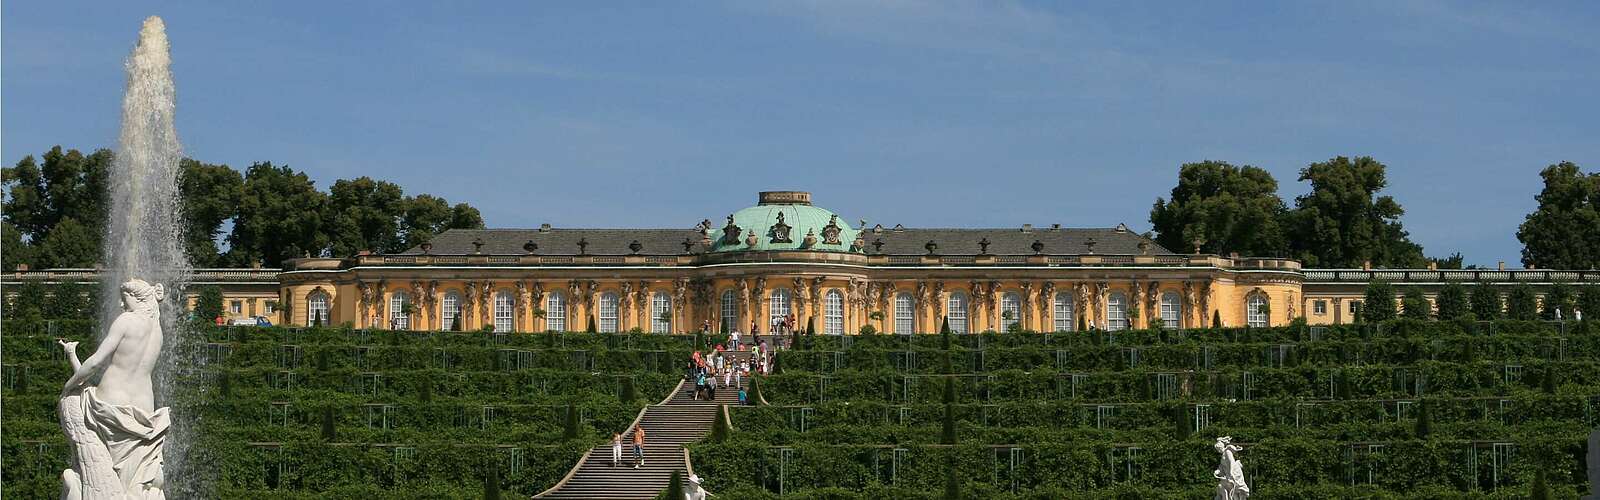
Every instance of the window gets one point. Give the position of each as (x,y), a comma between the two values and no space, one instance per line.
(504,320)
(730,311)
(660,305)
(271,307)
(399,311)
(1171,310)
(1355,308)
(1255,315)
(608,312)
(1063,310)
(778,307)
(236,307)
(833,313)
(1320,307)
(1010,310)
(905,316)
(957,312)
(317,308)
(449,310)
(555,312)
(1117,312)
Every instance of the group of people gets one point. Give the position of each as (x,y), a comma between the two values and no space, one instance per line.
(717,368)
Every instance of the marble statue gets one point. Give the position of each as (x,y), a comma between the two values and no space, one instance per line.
(108,406)
(1230,473)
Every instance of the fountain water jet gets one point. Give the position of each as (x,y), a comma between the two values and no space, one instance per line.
(123,446)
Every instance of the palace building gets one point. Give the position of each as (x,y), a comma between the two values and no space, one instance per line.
(785,256)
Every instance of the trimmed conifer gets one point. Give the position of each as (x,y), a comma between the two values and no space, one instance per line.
(491,480)
(328,433)
(1216,319)
(1424,424)
(674,489)
(626,392)
(570,428)
(721,430)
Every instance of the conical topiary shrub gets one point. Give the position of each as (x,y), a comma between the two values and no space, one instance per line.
(491,480)
(674,489)
(1216,319)
(952,482)
(590,328)
(570,428)
(328,434)
(1424,424)
(1180,422)
(626,392)
(720,429)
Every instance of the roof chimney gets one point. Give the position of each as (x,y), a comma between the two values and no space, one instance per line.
(1055,227)
(1027,228)
(1366,265)
(544,228)
(1502,265)
(22,268)
(1433,266)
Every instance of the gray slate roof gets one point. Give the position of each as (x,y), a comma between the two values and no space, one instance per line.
(907,241)
(1008,241)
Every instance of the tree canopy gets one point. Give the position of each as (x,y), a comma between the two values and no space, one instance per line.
(54,208)
(1221,208)
(1343,222)
(1564,231)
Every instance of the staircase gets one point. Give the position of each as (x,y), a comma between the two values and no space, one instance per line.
(677,421)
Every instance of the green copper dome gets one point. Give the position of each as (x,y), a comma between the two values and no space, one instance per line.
(784,220)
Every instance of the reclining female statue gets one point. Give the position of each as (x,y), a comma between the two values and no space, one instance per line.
(108,406)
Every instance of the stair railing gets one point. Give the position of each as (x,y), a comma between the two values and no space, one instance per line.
(631,427)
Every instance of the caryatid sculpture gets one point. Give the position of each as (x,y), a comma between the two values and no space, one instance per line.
(107,407)
(1230,472)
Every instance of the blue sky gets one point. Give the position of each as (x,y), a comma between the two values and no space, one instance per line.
(660,114)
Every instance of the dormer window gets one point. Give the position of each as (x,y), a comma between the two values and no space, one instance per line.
(780,231)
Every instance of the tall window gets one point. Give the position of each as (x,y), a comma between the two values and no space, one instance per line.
(504,320)
(317,308)
(399,318)
(778,307)
(555,312)
(905,316)
(730,311)
(608,312)
(660,313)
(1010,305)
(833,313)
(1117,312)
(956,312)
(1063,311)
(449,309)
(1253,310)
(1171,310)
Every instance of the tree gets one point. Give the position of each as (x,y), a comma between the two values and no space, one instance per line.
(13,250)
(1454,261)
(1223,209)
(68,184)
(569,428)
(626,392)
(1589,300)
(1557,298)
(69,244)
(1564,231)
(1424,423)
(208,305)
(1180,422)
(720,429)
(211,196)
(280,217)
(1216,319)
(425,215)
(1486,302)
(365,215)
(1379,302)
(674,489)
(29,302)
(328,429)
(1416,306)
(69,301)
(1453,301)
(1343,223)
(1522,303)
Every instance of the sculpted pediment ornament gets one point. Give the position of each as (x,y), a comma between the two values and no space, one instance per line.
(780,231)
(830,232)
(731,232)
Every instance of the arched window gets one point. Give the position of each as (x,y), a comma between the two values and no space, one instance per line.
(730,311)
(833,313)
(660,313)
(504,320)
(905,313)
(1254,310)
(555,312)
(1117,312)
(1171,310)
(608,312)
(449,310)
(1010,310)
(399,316)
(956,312)
(778,307)
(317,308)
(1063,311)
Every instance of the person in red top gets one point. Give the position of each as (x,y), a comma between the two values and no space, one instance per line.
(221,321)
